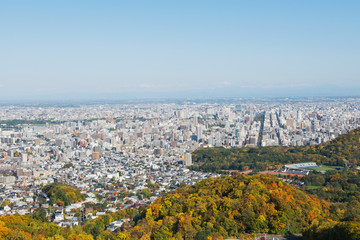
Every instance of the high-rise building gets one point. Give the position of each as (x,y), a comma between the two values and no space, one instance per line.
(299,116)
(199,133)
(188,159)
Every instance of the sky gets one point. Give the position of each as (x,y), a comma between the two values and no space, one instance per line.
(65,49)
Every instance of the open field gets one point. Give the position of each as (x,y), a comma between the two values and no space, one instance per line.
(325,168)
(312,187)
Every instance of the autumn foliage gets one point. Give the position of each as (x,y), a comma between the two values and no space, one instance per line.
(27,228)
(63,194)
(348,230)
(343,149)
(229,207)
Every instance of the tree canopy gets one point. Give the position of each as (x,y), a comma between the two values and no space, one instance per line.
(63,194)
(345,149)
(229,207)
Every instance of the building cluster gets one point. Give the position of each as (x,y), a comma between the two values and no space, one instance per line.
(113,153)
(308,123)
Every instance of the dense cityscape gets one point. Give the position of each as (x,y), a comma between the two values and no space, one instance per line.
(179,120)
(127,155)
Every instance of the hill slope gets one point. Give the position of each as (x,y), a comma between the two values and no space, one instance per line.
(231,206)
(345,148)
(27,228)
(214,208)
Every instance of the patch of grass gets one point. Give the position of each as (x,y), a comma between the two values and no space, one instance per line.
(324,168)
(312,187)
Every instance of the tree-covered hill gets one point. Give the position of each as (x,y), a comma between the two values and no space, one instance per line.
(63,194)
(335,187)
(349,230)
(27,228)
(30,228)
(229,207)
(344,149)
(215,208)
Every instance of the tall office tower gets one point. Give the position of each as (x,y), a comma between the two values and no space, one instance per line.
(299,116)
(195,120)
(199,133)
(251,111)
(188,159)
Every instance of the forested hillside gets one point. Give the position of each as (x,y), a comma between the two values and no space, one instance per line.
(215,208)
(333,186)
(344,149)
(229,207)
(27,228)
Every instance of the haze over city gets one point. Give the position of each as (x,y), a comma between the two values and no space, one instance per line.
(179,120)
(55,50)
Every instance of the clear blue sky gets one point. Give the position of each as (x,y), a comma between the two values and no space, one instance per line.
(122,49)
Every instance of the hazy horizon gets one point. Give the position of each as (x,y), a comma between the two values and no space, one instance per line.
(159,49)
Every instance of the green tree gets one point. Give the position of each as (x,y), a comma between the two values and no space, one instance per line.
(40,214)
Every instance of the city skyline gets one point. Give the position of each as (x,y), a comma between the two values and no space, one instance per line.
(121,50)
